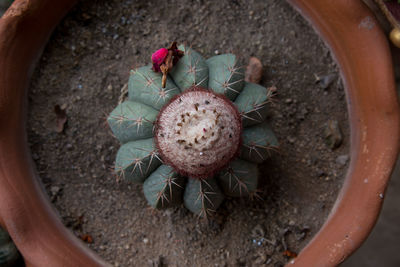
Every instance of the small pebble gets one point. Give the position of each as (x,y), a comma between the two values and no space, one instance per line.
(145,240)
(342,159)
(254,70)
(326,80)
(321,173)
(291,139)
(333,134)
(55,189)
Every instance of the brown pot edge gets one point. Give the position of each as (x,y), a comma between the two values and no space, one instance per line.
(346,27)
(25,210)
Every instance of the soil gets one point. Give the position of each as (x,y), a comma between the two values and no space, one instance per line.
(84,67)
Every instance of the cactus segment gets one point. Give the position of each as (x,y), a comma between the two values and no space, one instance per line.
(202,196)
(145,86)
(239,179)
(252,103)
(136,160)
(8,251)
(190,70)
(164,188)
(131,121)
(257,143)
(226,76)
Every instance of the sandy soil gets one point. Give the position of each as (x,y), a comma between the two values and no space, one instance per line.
(87,62)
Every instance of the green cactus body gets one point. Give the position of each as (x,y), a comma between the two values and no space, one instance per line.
(172,135)
(239,179)
(8,251)
(258,142)
(164,188)
(252,103)
(145,86)
(202,196)
(131,121)
(190,70)
(136,160)
(226,76)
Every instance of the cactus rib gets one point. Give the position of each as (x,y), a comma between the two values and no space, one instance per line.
(258,141)
(163,188)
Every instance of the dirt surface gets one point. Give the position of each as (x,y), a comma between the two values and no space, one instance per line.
(83,69)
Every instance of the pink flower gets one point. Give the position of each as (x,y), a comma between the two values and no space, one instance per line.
(158,58)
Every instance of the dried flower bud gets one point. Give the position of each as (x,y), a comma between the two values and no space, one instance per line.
(158,58)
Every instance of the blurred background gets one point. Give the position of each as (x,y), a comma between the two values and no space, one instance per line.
(382,247)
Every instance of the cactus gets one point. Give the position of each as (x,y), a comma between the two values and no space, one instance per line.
(240,178)
(8,251)
(136,160)
(192,130)
(258,141)
(131,121)
(164,188)
(252,103)
(145,86)
(202,196)
(190,70)
(226,76)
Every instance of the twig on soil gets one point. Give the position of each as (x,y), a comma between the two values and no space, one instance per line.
(124,93)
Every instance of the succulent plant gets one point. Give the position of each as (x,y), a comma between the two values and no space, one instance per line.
(8,251)
(192,131)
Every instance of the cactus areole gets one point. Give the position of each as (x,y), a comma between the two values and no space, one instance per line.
(198,132)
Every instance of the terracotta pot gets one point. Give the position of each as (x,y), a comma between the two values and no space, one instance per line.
(361,51)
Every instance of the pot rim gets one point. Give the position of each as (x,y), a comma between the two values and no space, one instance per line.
(362,52)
